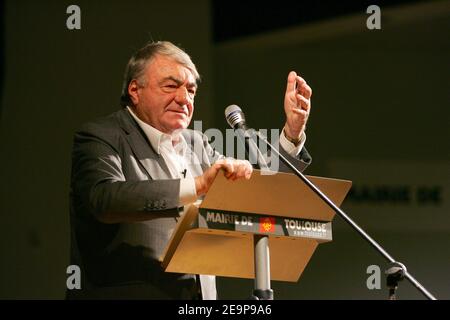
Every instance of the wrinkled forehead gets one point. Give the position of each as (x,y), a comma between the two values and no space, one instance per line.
(162,67)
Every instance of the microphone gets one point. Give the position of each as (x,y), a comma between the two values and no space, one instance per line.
(236,119)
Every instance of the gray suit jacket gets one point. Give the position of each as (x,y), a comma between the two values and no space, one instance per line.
(116,172)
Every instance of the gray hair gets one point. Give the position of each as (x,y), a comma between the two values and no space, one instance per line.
(139,61)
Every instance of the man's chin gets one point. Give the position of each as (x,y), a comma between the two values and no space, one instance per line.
(179,125)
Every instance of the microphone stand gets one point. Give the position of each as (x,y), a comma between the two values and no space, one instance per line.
(262,290)
(394,274)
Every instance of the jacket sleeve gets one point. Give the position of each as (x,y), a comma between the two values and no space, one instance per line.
(301,161)
(99,185)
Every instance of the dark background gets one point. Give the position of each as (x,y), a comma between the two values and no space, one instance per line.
(379,95)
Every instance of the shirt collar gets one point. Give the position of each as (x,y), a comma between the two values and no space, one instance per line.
(157,138)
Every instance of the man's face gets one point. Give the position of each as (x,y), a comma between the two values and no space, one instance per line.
(166,102)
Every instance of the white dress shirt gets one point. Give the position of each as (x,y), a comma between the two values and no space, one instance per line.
(174,157)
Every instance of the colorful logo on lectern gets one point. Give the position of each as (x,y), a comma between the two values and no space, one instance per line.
(266,224)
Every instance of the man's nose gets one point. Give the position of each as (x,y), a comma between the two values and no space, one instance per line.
(182,96)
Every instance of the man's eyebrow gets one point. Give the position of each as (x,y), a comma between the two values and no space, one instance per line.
(179,82)
(176,80)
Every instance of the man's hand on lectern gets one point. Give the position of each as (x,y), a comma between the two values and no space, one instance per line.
(233,169)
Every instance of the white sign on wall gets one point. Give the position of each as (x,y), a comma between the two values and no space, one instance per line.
(396,195)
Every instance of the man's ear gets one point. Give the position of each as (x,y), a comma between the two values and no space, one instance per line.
(133,91)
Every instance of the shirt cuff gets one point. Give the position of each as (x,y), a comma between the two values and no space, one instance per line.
(188,193)
(291,148)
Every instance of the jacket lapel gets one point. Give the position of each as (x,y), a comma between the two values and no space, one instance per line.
(152,162)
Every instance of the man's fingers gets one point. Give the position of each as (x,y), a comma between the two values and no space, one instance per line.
(292,78)
(248,171)
(300,112)
(232,169)
(304,103)
(229,170)
(238,170)
(235,169)
(307,91)
(241,170)
(300,83)
(227,165)
(303,88)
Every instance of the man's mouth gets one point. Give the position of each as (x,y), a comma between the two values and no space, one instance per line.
(179,111)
